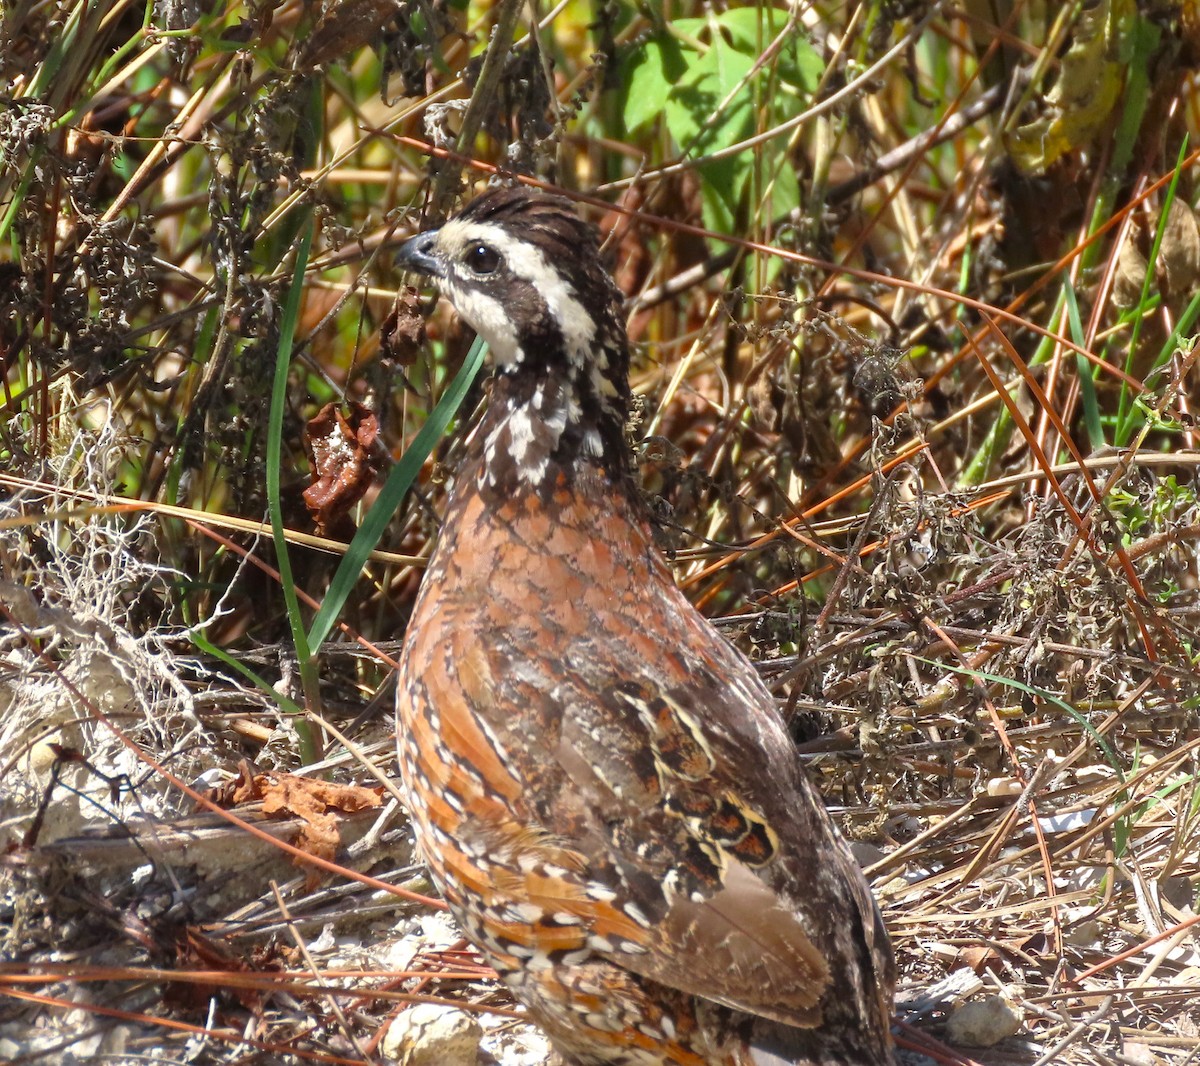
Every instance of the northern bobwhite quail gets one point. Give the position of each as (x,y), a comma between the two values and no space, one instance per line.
(603,789)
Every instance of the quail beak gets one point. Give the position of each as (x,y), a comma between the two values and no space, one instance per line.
(419,254)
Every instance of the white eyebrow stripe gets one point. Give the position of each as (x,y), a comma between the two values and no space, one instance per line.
(526,261)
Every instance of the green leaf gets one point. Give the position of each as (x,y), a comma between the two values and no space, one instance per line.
(710,79)
(720,182)
(709,62)
(649,71)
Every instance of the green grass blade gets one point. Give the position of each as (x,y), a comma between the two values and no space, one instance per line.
(1127,414)
(399,480)
(1087,386)
(288,706)
(287,330)
(1101,743)
(283,360)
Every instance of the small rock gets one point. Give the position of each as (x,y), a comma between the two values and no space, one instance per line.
(430,1034)
(507,1044)
(983,1022)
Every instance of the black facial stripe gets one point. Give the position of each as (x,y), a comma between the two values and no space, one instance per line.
(561,395)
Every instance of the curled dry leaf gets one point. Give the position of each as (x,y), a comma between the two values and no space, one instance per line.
(1181,247)
(315,802)
(339,449)
(1091,77)
(1130,274)
(774,400)
(1177,268)
(402,335)
(344,26)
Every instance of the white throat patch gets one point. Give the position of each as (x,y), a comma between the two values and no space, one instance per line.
(488,315)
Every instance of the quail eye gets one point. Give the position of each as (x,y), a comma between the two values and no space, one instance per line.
(482,259)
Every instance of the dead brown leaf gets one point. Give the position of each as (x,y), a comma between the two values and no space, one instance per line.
(339,449)
(317,803)
(402,335)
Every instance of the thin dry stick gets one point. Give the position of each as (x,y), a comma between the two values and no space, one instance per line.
(482,99)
